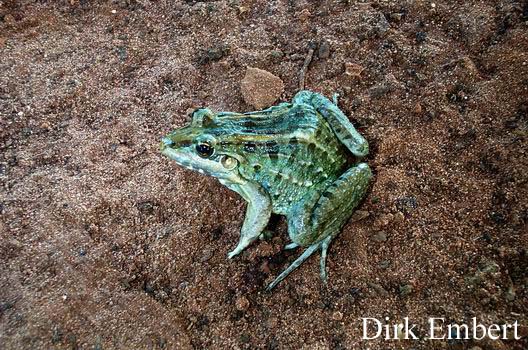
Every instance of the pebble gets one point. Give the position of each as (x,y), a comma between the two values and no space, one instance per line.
(337,316)
(384,264)
(406,289)
(360,215)
(324,49)
(353,69)
(206,255)
(242,303)
(510,294)
(384,220)
(378,288)
(304,15)
(260,88)
(418,108)
(380,236)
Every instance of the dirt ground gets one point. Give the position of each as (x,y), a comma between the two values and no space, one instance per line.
(106,244)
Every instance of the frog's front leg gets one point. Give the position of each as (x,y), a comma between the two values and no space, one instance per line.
(320,216)
(258,213)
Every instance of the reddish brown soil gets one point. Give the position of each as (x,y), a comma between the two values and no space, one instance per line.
(105,244)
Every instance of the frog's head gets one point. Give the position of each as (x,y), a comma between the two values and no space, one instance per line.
(197,148)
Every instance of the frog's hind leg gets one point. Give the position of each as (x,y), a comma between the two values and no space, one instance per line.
(319,217)
(337,120)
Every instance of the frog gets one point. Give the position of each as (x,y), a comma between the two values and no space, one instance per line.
(301,159)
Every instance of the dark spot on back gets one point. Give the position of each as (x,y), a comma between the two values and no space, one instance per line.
(294,141)
(274,155)
(327,194)
(249,124)
(250,147)
(311,147)
(257,167)
(291,159)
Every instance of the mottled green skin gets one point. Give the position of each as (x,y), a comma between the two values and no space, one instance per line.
(291,159)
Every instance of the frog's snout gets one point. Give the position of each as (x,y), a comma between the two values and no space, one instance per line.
(166,142)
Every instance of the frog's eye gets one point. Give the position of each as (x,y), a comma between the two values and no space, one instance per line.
(204,150)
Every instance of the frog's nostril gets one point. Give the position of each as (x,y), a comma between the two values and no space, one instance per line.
(167,141)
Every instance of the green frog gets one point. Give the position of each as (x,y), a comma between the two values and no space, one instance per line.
(298,159)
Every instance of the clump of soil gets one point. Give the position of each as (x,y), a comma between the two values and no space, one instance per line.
(105,244)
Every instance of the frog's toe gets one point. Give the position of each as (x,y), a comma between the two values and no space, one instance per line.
(335,97)
(305,255)
(232,254)
(291,246)
(239,248)
(324,248)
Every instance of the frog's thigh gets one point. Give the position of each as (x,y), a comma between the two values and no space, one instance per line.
(317,218)
(339,123)
(258,213)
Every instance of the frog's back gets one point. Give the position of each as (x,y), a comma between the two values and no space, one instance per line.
(289,149)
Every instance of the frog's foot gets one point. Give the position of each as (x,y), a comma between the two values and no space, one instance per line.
(291,246)
(242,244)
(305,255)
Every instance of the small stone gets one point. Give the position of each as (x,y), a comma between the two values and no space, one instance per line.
(396,16)
(260,88)
(510,294)
(242,9)
(337,316)
(378,289)
(9,19)
(384,220)
(494,345)
(384,264)
(418,108)
(242,304)
(214,53)
(399,217)
(304,15)
(206,255)
(380,236)
(359,215)
(406,289)
(379,90)
(277,54)
(420,37)
(406,204)
(353,69)
(324,49)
